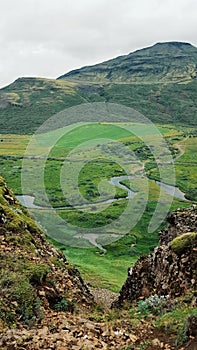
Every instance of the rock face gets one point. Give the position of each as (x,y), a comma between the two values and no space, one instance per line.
(172,268)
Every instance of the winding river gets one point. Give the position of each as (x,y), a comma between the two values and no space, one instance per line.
(28,201)
(173,191)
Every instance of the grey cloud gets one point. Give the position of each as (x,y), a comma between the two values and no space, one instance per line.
(50,37)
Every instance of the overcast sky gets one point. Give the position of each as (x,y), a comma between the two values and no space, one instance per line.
(47,38)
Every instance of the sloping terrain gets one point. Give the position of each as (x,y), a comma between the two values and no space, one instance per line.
(28,102)
(44,303)
(159,81)
(34,276)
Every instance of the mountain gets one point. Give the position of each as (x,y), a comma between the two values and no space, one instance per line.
(171,62)
(158,81)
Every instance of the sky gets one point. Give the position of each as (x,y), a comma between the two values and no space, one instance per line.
(47,38)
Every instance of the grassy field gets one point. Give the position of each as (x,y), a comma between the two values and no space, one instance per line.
(185,168)
(98,161)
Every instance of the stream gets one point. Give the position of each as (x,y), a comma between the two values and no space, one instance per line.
(28,201)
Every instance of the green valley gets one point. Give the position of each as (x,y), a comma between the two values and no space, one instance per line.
(106,266)
(67,170)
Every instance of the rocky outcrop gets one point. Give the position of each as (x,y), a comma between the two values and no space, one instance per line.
(172,268)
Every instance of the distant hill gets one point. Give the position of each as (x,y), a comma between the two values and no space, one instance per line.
(158,81)
(28,102)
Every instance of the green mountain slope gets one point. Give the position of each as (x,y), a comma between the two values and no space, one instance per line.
(159,81)
(161,63)
(28,102)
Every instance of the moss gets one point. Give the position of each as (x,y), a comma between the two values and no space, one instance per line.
(57,262)
(62,305)
(24,267)
(1,181)
(183,242)
(19,297)
(38,273)
(18,281)
(20,239)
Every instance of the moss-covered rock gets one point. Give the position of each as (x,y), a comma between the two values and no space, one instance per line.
(183,242)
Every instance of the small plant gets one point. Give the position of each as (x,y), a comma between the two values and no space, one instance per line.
(20,298)
(154,304)
(144,345)
(38,273)
(143,308)
(62,305)
(185,329)
(181,335)
(176,322)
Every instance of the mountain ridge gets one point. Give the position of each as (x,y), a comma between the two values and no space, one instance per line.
(135,63)
(158,81)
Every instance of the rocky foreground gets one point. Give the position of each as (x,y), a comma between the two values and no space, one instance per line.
(45,304)
(172,268)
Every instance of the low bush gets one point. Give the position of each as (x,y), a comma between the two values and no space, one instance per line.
(154,304)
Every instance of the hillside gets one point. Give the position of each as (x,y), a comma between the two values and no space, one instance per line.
(159,81)
(28,102)
(34,277)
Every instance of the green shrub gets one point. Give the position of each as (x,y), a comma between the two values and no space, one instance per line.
(38,273)
(176,322)
(154,304)
(62,305)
